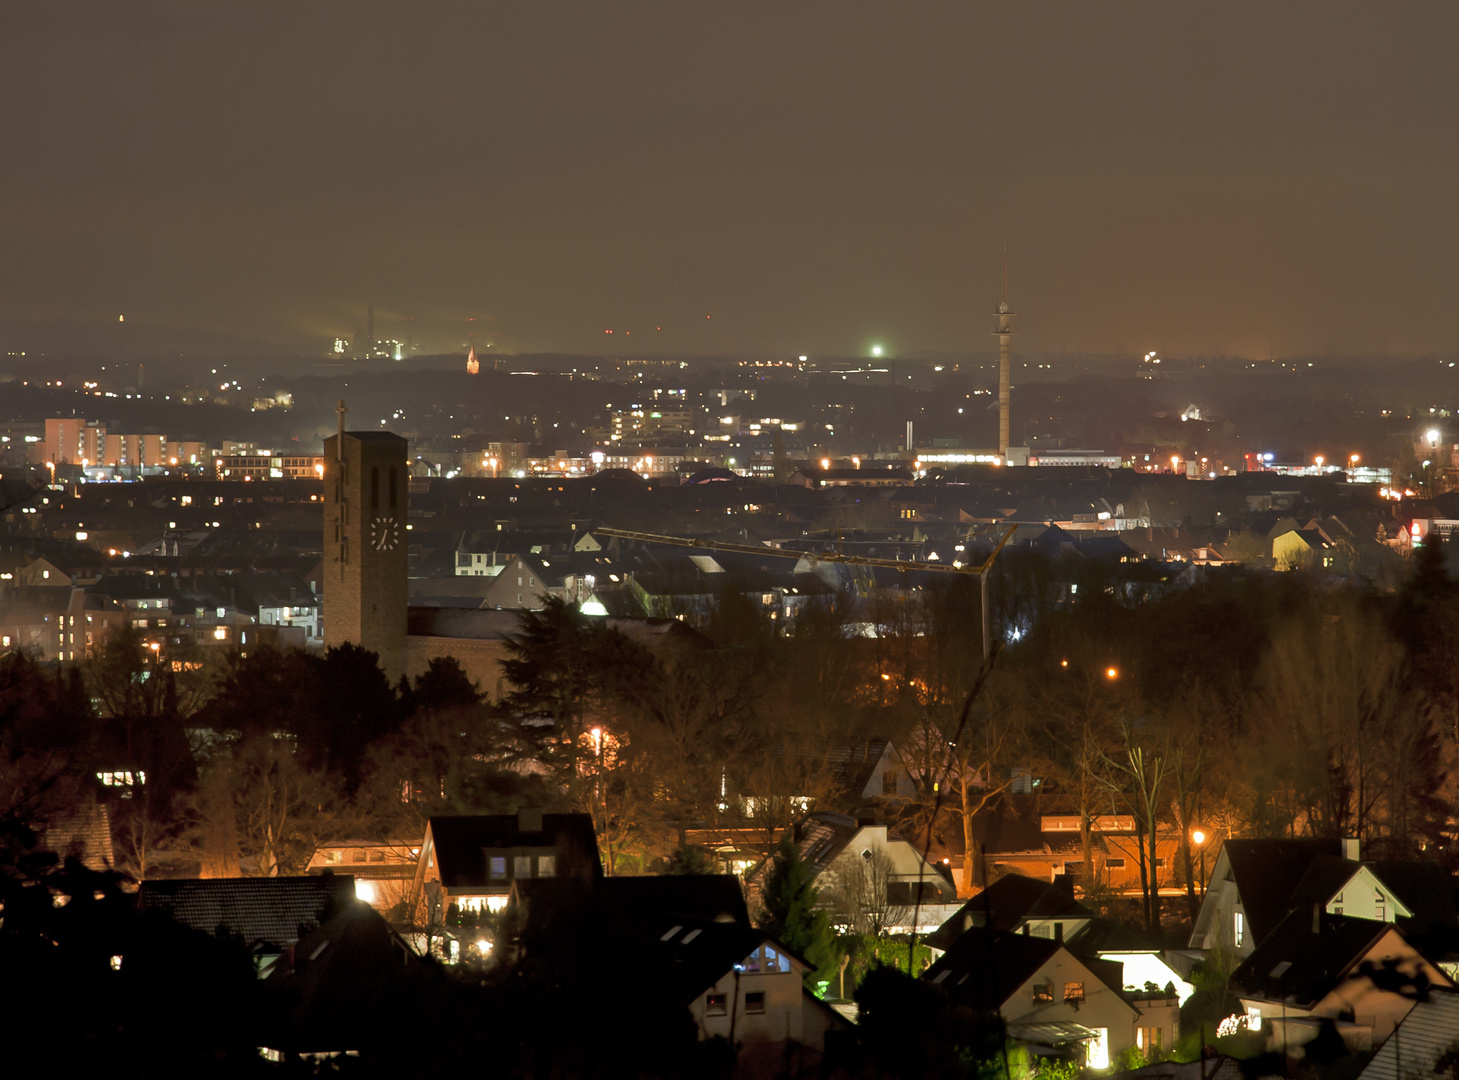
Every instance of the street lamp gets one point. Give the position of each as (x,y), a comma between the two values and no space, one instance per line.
(1199,836)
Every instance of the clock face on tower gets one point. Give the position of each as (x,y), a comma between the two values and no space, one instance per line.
(384,533)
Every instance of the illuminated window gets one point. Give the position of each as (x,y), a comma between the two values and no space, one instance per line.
(546,865)
(1238,929)
(755,1002)
(1043,993)
(714,1005)
(498,868)
(1074,992)
(1147,1038)
(522,866)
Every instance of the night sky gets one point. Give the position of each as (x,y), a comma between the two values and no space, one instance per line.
(1264,180)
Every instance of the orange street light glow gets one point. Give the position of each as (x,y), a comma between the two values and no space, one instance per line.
(1111,673)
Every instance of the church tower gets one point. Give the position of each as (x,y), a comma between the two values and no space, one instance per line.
(366,496)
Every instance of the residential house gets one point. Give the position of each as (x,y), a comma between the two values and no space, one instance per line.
(1298,548)
(1255,883)
(383,872)
(523,583)
(737,982)
(1045,994)
(1039,836)
(1249,890)
(869,878)
(747,988)
(1020,905)
(1314,967)
(1016,904)
(44,621)
(470,862)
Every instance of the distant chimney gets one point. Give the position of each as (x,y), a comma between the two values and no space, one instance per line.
(1059,932)
(1350,848)
(529,819)
(1317,918)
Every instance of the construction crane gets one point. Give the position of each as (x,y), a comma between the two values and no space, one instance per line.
(981,570)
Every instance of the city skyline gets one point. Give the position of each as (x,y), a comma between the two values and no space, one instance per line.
(1247,181)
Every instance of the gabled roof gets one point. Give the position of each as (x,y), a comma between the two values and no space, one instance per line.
(983,968)
(699,952)
(83,833)
(1006,905)
(1100,936)
(336,976)
(1267,873)
(269,914)
(1325,877)
(1317,962)
(711,898)
(823,836)
(461,841)
(1423,888)
(1423,1038)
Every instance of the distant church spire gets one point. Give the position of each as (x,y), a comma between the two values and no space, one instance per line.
(473,365)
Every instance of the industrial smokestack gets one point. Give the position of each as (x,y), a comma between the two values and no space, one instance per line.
(370,328)
(909,437)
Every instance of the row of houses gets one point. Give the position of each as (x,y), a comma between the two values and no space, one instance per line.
(1319,942)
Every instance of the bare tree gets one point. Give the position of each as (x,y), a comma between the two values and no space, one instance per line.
(1137,776)
(861,892)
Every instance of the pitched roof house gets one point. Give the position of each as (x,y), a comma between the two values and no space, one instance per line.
(866,872)
(1255,883)
(1017,905)
(1043,992)
(1249,890)
(1021,905)
(1313,967)
(472,860)
(694,931)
